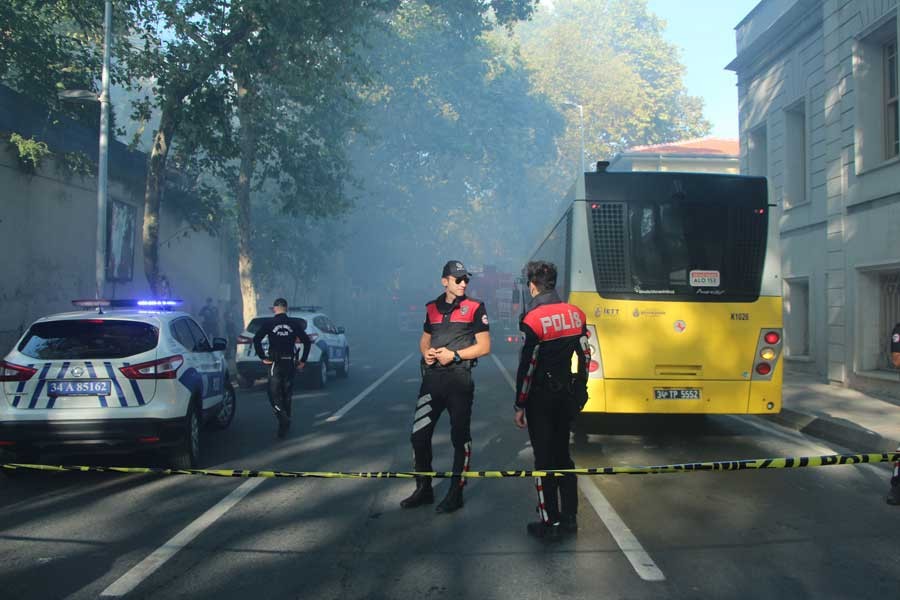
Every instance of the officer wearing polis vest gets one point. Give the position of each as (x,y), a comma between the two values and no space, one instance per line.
(549,396)
(455,334)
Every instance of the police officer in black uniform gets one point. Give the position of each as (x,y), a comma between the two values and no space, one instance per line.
(455,335)
(893,496)
(549,396)
(282,332)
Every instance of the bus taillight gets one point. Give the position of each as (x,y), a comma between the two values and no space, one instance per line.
(772,338)
(763,368)
(593,366)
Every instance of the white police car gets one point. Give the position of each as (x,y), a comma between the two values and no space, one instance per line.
(330,350)
(133,375)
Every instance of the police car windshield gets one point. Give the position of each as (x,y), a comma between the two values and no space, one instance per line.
(89,338)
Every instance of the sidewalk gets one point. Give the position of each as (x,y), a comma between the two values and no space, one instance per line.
(847,417)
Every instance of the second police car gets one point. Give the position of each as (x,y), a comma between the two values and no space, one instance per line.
(133,375)
(330,350)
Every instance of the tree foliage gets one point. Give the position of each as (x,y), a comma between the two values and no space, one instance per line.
(610,57)
(452,137)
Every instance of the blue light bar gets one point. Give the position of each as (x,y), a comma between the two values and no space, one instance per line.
(159,303)
(127,303)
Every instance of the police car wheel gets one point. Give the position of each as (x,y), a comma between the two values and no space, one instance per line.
(343,370)
(187,455)
(226,412)
(318,374)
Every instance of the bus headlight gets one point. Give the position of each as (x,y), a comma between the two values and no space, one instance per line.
(767,354)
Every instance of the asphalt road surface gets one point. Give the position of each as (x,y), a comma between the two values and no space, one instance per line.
(809,533)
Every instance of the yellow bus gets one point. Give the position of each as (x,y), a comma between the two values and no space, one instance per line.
(679,275)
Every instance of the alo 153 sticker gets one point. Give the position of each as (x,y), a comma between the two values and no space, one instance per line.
(705,278)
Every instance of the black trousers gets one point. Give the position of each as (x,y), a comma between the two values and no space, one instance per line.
(281,388)
(895,475)
(449,388)
(550,414)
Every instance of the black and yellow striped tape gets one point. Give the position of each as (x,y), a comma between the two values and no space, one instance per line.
(718,465)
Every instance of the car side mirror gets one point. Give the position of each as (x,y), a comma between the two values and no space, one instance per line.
(341,330)
(219,344)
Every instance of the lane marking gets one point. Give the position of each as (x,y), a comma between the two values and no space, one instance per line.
(144,569)
(628,543)
(506,375)
(309,395)
(640,560)
(347,407)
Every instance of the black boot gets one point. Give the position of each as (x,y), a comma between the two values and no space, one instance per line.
(454,498)
(568,523)
(893,496)
(423,494)
(545,531)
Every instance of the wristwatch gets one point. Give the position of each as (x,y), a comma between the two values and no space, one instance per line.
(456,357)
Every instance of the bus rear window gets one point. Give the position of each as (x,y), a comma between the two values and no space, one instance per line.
(672,249)
(89,338)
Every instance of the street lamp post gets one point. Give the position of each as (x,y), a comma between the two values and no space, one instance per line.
(103,150)
(103,155)
(581,120)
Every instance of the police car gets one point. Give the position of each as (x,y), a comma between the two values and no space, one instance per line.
(132,375)
(330,350)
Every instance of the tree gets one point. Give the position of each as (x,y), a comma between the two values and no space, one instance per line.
(610,57)
(453,137)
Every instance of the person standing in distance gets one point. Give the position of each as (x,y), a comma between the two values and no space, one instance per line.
(283,332)
(455,335)
(549,396)
(209,317)
(893,496)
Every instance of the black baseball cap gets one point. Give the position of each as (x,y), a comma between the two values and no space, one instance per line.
(280,302)
(456,269)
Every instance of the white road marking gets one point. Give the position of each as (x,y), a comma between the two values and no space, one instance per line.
(506,375)
(628,543)
(130,580)
(346,408)
(630,546)
(309,395)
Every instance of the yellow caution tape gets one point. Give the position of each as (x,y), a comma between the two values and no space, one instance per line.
(718,465)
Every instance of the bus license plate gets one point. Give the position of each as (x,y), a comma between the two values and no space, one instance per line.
(676,394)
(90,387)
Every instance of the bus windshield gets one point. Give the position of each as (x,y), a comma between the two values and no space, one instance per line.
(674,249)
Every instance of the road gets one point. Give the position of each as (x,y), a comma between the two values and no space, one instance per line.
(812,533)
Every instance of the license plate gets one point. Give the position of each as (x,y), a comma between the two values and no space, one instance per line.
(92,387)
(676,394)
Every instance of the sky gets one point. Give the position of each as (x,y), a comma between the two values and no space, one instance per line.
(704,31)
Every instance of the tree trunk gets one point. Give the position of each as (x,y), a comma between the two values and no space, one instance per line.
(156,180)
(248,147)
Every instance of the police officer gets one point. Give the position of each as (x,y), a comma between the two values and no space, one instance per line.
(549,396)
(282,332)
(455,335)
(893,496)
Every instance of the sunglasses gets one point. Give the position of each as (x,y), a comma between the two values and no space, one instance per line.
(461,280)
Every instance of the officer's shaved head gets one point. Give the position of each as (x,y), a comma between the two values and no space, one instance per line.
(542,274)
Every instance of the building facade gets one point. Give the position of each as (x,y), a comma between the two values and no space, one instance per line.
(703,155)
(817,87)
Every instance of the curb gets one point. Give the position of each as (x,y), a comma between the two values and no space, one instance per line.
(836,431)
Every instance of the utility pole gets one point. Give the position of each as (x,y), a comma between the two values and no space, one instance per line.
(581,120)
(103,155)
